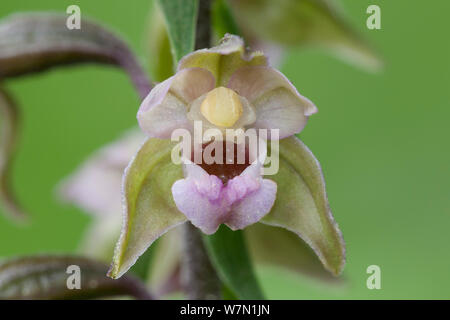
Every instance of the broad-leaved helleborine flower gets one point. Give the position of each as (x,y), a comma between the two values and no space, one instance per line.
(225,89)
(95,188)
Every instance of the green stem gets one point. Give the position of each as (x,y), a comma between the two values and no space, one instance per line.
(200,279)
(203,29)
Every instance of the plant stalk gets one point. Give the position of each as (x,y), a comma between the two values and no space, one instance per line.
(200,280)
(199,277)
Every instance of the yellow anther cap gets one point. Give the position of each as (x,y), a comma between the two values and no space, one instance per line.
(222,107)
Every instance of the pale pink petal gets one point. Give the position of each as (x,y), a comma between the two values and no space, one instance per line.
(272,51)
(165,108)
(198,197)
(95,186)
(207,203)
(252,197)
(254,206)
(277,103)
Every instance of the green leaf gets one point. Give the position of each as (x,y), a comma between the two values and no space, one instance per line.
(46,277)
(181,18)
(295,23)
(302,206)
(229,255)
(32,42)
(8,138)
(160,58)
(149,207)
(227,294)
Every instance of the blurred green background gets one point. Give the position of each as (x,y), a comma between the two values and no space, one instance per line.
(382,140)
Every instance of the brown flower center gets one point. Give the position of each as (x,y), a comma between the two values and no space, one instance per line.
(231,160)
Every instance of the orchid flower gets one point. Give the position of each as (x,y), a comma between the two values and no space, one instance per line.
(95,188)
(219,90)
(225,87)
(200,91)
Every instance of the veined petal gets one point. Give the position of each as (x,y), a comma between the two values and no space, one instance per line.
(165,108)
(149,210)
(302,205)
(223,60)
(277,103)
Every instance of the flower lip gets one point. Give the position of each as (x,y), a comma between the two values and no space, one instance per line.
(241,200)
